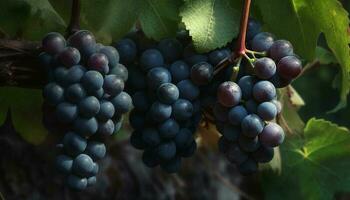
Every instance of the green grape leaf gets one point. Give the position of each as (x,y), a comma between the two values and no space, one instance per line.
(108,20)
(29,19)
(25,107)
(302,21)
(160,18)
(211,23)
(324,56)
(315,166)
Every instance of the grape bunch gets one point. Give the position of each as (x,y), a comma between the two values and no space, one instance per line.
(245,110)
(83,101)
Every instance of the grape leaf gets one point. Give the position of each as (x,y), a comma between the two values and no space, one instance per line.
(302,21)
(315,166)
(25,107)
(159,18)
(108,20)
(211,23)
(324,56)
(30,19)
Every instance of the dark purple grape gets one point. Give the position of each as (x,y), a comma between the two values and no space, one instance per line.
(168,93)
(160,112)
(120,71)
(246,84)
(74,74)
(151,58)
(251,106)
(235,155)
(85,127)
(264,68)
(231,133)
(262,42)
(168,129)
(91,181)
(179,71)
(248,144)
(267,111)
(76,183)
(166,150)
(196,58)
(263,154)
(264,91)
(281,49)
(252,125)
(96,150)
(53,43)
(127,50)
(74,144)
(106,128)
(216,56)
(112,55)
(188,90)
(53,94)
(183,138)
(113,85)
(66,112)
(141,101)
(151,137)
(64,164)
(69,56)
(171,49)
(254,27)
(279,82)
(98,62)
(60,75)
(236,115)
(92,80)
(75,93)
(289,67)
(83,165)
(84,41)
(248,167)
(182,109)
(106,111)
(122,103)
(272,135)
(229,94)
(157,76)
(202,73)
(278,105)
(89,106)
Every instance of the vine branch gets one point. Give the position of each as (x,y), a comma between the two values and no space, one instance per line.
(74,24)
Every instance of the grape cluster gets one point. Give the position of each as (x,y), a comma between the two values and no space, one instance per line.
(166,105)
(245,110)
(84,101)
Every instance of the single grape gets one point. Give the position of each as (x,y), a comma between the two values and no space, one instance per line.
(99,94)
(229,94)
(141,101)
(182,109)
(264,91)
(251,106)
(160,112)
(280,82)
(113,85)
(120,71)
(122,103)
(60,75)
(85,127)
(53,43)
(188,90)
(106,128)
(171,49)
(263,154)
(127,50)
(168,129)
(45,60)
(150,158)
(235,155)
(84,41)
(172,166)
(106,111)
(278,105)
(136,140)
(98,62)
(202,73)
(252,125)
(289,67)
(267,111)
(248,144)
(69,56)
(76,182)
(91,181)
(262,42)
(74,74)
(230,132)
(94,170)
(64,164)
(74,144)
(157,76)
(196,58)
(216,56)
(96,150)
(281,49)
(89,106)
(166,150)
(183,138)
(83,165)
(248,167)
(112,55)
(220,112)
(272,135)
(53,93)
(66,112)
(179,71)
(151,58)
(92,80)
(254,27)
(237,114)
(168,93)
(75,93)
(264,68)
(151,137)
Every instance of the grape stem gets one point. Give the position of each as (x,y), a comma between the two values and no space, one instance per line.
(74,24)
(241,48)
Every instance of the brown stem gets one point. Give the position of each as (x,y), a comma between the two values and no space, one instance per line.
(241,48)
(74,24)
